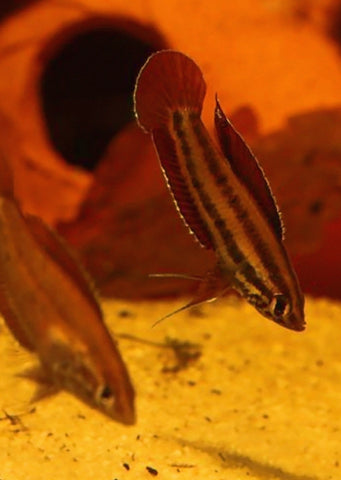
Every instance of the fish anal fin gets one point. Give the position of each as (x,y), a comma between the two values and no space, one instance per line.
(61,253)
(247,169)
(182,196)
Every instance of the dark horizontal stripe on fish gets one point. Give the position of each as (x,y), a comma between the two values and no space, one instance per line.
(235,253)
(233,250)
(258,300)
(234,201)
(249,275)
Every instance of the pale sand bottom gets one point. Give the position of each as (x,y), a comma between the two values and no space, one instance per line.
(261,402)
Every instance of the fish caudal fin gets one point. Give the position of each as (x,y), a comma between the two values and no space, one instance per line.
(168,81)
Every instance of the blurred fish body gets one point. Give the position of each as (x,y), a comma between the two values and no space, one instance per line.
(50,307)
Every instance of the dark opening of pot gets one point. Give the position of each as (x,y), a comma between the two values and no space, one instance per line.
(86,91)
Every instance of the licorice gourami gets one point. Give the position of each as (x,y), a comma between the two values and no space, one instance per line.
(221,193)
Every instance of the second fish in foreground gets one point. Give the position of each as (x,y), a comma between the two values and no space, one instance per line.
(50,307)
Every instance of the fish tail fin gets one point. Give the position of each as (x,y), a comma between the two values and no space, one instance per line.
(6,178)
(168,81)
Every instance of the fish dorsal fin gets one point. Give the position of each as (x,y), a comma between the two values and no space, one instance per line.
(177,185)
(61,253)
(246,167)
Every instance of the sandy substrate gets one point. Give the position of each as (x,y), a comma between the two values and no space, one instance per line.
(249,401)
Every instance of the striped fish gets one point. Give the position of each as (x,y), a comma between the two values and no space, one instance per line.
(220,192)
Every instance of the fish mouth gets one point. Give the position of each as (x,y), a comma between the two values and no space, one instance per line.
(123,414)
(293,322)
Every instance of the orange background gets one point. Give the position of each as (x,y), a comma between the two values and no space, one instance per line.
(277,59)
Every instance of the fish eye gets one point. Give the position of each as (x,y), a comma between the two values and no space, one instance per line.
(280,305)
(105,393)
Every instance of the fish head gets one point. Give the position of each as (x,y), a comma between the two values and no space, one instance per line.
(114,401)
(103,386)
(100,389)
(283,310)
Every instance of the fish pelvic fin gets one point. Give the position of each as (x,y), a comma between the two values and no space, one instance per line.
(212,286)
(45,387)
